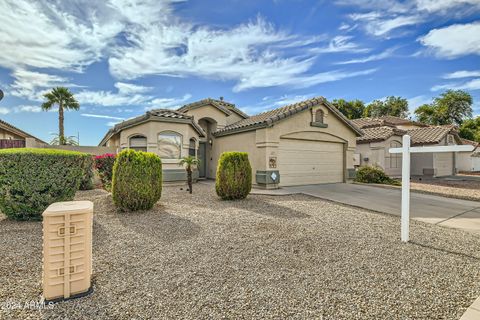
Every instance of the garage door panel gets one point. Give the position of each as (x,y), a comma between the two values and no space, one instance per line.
(310,162)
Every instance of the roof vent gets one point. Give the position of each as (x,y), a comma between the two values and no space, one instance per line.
(221,98)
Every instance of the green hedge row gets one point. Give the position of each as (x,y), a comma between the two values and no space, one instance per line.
(137,180)
(234,176)
(32,179)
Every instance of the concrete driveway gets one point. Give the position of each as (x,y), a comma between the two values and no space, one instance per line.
(461,214)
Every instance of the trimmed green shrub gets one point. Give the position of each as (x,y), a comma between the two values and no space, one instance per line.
(87,178)
(32,179)
(137,180)
(104,165)
(234,176)
(369,174)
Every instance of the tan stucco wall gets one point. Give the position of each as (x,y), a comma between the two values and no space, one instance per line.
(209,112)
(263,143)
(151,130)
(377,153)
(4,134)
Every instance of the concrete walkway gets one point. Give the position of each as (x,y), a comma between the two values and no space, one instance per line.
(461,214)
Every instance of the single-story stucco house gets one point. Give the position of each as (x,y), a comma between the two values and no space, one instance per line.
(13,137)
(303,143)
(381,134)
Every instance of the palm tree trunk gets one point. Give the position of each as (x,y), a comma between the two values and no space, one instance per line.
(61,134)
(189,179)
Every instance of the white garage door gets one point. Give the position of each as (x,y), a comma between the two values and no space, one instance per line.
(443,163)
(309,162)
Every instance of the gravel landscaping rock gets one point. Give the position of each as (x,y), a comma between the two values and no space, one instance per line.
(195,256)
(459,189)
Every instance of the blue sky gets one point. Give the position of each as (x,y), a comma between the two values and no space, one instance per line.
(121,57)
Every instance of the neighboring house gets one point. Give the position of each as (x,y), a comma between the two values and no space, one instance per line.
(381,134)
(12,137)
(469,161)
(304,143)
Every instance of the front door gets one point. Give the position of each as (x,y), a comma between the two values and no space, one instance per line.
(202,168)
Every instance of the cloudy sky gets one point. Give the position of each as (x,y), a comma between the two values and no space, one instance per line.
(123,57)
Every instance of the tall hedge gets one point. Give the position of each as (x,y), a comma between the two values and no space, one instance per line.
(86,182)
(32,179)
(234,176)
(137,180)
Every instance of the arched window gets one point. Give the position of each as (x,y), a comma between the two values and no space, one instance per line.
(319,116)
(192,147)
(138,143)
(169,145)
(395,158)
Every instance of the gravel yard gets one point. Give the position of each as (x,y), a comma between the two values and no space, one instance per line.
(194,256)
(461,189)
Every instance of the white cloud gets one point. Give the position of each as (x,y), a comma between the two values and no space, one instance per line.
(340,44)
(473,84)
(144,37)
(27,108)
(417,101)
(160,103)
(374,57)
(462,74)
(379,24)
(444,5)
(261,78)
(4,110)
(42,34)
(127,94)
(454,41)
(100,116)
(32,85)
(381,18)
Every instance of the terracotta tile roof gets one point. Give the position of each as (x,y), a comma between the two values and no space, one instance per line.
(431,135)
(379,134)
(368,122)
(266,119)
(154,115)
(8,127)
(225,107)
(473,143)
(384,121)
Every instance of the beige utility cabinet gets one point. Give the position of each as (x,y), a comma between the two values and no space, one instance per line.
(67,250)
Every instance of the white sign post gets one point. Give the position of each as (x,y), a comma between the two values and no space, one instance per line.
(406,150)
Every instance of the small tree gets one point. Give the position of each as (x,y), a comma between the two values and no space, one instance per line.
(234,176)
(189,163)
(65,100)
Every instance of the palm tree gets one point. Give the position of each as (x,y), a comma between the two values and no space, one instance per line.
(189,163)
(65,100)
(69,141)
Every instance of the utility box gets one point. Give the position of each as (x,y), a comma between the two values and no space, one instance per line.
(67,250)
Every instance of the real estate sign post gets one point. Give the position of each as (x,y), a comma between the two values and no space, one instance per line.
(406,150)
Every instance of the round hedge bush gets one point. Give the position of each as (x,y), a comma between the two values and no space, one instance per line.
(32,179)
(370,174)
(137,180)
(234,176)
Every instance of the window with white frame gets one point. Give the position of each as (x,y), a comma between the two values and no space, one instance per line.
(138,143)
(169,145)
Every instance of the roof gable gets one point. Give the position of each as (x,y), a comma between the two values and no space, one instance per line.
(161,115)
(268,118)
(225,107)
(432,135)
